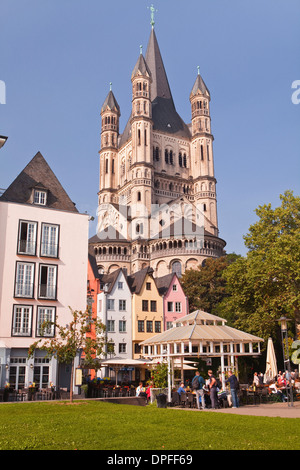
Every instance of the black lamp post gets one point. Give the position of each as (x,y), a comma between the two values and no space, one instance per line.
(286,358)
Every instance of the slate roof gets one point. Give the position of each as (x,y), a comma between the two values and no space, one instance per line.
(199,85)
(141,66)
(38,174)
(111,103)
(164,115)
(163,283)
(110,279)
(136,280)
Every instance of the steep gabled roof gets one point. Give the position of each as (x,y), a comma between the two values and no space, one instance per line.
(141,67)
(199,86)
(136,280)
(110,103)
(37,174)
(163,283)
(164,115)
(110,279)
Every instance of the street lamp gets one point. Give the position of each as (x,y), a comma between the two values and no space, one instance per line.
(286,358)
(2,140)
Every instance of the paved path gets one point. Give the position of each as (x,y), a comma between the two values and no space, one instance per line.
(281,410)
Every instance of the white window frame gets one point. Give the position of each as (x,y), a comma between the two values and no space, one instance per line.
(51,284)
(49,240)
(28,246)
(178,307)
(111,326)
(24,282)
(122,348)
(122,326)
(45,314)
(122,305)
(120,285)
(40,197)
(22,320)
(110,304)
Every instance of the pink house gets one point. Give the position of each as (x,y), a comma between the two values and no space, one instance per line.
(175,302)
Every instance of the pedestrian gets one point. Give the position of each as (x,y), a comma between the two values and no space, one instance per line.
(197,386)
(255,381)
(213,390)
(234,387)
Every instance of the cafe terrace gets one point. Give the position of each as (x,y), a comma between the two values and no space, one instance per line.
(201,334)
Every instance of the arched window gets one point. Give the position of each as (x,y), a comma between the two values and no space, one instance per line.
(139,197)
(180,159)
(176,268)
(166,156)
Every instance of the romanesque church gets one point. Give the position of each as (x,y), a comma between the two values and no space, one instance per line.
(157,204)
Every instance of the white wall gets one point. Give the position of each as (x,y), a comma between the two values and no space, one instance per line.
(72,265)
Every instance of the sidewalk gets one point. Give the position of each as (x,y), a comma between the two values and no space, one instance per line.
(281,410)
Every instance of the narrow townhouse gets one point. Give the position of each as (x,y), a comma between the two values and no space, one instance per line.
(43,272)
(114,308)
(147,308)
(175,302)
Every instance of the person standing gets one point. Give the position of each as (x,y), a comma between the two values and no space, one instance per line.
(197,386)
(234,386)
(213,390)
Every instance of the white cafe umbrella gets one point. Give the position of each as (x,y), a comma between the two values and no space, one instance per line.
(271,365)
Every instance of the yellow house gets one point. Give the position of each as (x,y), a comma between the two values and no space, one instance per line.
(147,308)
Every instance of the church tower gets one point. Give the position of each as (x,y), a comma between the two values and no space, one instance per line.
(202,153)
(157,193)
(110,114)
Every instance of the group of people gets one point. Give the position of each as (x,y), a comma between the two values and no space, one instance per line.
(142,391)
(212,386)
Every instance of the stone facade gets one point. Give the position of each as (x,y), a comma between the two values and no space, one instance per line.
(157,189)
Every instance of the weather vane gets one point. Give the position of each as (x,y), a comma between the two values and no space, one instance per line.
(152,9)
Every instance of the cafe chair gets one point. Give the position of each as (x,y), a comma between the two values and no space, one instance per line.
(183,399)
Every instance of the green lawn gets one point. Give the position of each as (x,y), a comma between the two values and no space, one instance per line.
(91,425)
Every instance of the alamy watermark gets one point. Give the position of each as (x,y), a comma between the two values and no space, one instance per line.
(2,92)
(160,221)
(296,94)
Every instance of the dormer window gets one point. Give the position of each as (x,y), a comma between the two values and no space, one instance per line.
(40,197)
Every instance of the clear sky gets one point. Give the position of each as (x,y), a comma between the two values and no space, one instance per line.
(58,57)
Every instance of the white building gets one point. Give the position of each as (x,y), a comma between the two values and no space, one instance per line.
(114,310)
(43,266)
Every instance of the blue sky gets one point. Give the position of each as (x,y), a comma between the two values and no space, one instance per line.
(58,57)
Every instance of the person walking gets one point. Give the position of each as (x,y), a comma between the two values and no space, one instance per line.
(213,393)
(197,386)
(234,387)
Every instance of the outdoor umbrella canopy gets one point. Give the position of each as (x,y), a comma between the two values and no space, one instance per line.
(271,363)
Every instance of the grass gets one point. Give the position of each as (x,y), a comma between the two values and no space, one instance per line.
(92,425)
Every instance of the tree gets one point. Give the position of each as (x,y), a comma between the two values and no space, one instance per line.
(71,339)
(205,286)
(266,283)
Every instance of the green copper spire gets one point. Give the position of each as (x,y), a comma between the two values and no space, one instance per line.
(152,9)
